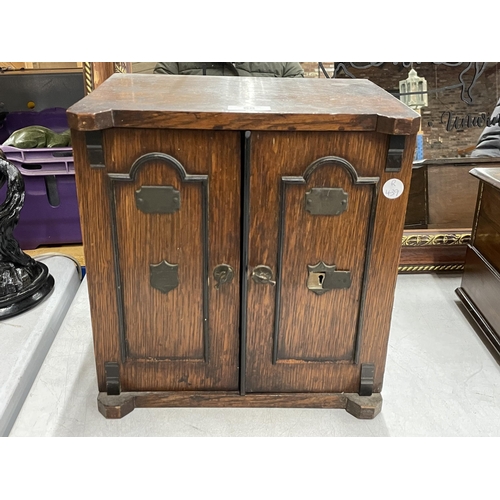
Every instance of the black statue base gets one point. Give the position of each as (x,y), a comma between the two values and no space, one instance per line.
(25,291)
(24,282)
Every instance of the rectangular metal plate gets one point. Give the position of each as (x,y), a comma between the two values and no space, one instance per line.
(326,201)
(337,280)
(158,199)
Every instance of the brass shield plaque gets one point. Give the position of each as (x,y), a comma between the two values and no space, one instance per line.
(164,276)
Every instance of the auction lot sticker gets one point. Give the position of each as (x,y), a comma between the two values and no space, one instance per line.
(393,189)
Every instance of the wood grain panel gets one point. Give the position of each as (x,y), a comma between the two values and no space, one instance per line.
(382,270)
(162,327)
(365,407)
(172,324)
(289,154)
(322,327)
(432,256)
(93,191)
(198,102)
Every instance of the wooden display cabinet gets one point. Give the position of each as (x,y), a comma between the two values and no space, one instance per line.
(242,238)
(480,288)
(440,213)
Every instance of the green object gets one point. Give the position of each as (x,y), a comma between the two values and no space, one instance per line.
(37,136)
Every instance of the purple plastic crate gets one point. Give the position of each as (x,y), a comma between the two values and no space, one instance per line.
(50,213)
(41,223)
(52,161)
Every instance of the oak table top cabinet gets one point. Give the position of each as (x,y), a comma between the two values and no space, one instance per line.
(480,287)
(242,238)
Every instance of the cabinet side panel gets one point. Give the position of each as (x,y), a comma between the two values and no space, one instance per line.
(383,266)
(93,190)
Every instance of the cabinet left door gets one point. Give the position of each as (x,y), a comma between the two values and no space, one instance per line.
(160,213)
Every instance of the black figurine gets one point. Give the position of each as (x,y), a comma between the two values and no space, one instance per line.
(24,282)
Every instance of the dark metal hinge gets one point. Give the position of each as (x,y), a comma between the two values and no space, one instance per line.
(367,379)
(395,153)
(112,370)
(95,153)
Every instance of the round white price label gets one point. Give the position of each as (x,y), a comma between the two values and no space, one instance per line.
(393,189)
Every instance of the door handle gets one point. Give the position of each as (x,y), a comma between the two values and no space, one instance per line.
(223,273)
(263,275)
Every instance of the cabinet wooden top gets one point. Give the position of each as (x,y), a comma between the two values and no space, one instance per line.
(242,103)
(489,175)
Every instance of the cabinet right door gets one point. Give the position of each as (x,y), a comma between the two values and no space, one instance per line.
(323,248)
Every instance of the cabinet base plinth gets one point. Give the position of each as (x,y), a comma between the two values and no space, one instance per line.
(363,407)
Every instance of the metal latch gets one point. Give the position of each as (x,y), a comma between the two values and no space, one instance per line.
(263,275)
(223,273)
(323,278)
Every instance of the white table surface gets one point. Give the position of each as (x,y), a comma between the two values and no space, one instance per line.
(26,338)
(440,380)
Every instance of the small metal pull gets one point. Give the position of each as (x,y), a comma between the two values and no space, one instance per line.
(263,275)
(223,274)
